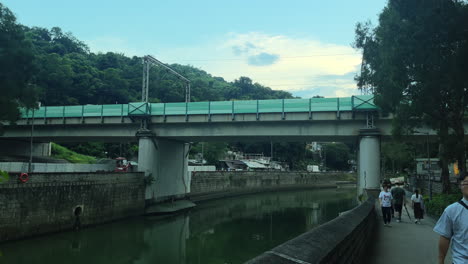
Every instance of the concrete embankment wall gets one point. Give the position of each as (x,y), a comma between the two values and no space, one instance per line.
(219,184)
(23,148)
(49,202)
(342,240)
(422,183)
(55,167)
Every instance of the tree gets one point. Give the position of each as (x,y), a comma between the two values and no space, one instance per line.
(63,43)
(336,155)
(212,151)
(16,68)
(415,61)
(397,156)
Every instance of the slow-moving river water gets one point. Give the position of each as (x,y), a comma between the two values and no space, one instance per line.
(224,231)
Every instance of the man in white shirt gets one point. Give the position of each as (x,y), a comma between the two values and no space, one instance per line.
(453,227)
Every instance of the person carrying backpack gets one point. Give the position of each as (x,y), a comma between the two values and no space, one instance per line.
(453,227)
(398,195)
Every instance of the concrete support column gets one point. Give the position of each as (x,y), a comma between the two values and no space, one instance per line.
(172,179)
(166,161)
(147,159)
(369,160)
(23,148)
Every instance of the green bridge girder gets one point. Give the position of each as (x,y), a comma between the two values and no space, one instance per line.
(338,104)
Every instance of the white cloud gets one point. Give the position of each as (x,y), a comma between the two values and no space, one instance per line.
(304,67)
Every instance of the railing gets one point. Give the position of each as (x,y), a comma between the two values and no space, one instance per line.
(353,103)
(344,239)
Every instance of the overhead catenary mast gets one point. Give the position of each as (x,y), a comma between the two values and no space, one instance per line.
(149,60)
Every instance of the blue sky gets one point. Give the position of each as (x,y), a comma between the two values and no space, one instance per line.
(300,46)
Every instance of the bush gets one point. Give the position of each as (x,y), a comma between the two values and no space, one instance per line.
(439,202)
(4,176)
(60,152)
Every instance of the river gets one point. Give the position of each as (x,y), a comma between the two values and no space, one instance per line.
(227,231)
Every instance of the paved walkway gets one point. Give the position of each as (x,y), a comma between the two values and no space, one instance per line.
(405,242)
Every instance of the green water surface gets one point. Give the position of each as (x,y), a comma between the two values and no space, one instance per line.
(224,231)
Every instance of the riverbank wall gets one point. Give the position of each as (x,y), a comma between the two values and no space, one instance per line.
(421,182)
(52,202)
(222,184)
(342,240)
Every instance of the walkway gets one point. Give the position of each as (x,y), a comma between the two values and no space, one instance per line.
(405,242)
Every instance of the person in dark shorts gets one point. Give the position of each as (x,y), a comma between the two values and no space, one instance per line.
(398,195)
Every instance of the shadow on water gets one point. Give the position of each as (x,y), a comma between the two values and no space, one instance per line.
(223,231)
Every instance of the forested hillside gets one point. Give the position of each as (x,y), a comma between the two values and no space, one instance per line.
(68,73)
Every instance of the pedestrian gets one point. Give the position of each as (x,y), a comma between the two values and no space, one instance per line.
(453,227)
(416,200)
(399,200)
(385,198)
(391,187)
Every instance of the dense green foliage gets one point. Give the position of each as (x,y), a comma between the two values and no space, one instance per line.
(415,61)
(440,201)
(337,156)
(104,150)
(212,152)
(397,156)
(4,176)
(17,69)
(60,152)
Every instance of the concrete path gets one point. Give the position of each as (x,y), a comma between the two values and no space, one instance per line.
(405,242)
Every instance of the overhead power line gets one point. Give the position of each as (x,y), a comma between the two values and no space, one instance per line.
(280,57)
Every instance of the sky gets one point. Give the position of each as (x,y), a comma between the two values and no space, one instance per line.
(300,46)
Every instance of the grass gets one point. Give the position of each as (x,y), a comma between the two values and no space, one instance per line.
(60,152)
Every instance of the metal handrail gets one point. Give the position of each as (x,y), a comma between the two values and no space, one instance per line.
(233,108)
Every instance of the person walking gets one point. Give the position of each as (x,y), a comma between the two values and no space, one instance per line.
(453,227)
(398,195)
(391,187)
(385,198)
(416,200)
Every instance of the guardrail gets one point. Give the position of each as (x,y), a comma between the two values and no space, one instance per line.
(353,103)
(342,240)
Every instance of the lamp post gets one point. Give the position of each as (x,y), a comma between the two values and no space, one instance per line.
(271,150)
(428,162)
(31,143)
(203,153)
(429,167)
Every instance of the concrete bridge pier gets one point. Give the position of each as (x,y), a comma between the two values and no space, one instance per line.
(166,161)
(23,148)
(369,160)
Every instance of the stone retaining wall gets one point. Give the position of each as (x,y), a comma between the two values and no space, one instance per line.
(342,240)
(422,183)
(55,167)
(223,181)
(51,202)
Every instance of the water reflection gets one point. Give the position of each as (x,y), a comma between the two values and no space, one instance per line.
(224,231)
